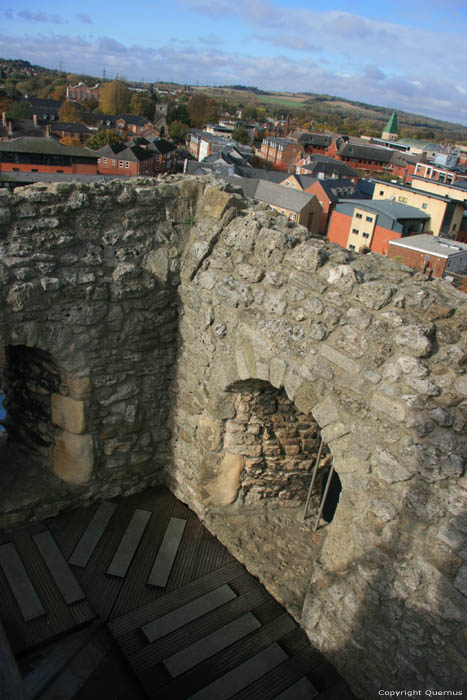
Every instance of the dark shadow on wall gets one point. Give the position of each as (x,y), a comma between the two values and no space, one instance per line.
(402,601)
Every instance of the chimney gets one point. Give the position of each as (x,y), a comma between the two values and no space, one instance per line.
(3,118)
(47,131)
(10,129)
(34,119)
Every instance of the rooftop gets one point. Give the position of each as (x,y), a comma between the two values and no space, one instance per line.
(423,242)
(31,144)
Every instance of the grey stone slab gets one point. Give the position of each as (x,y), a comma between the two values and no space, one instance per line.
(58,567)
(216,641)
(243,675)
(91,536)
(163,563)
(20,583)
(301,690)
(188,612)
(129,543)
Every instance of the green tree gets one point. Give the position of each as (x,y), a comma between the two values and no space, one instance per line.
(251,111)
(178,131)
(115,97)
(69,112)
(102,138)
(202,109)
(241,135)
(178,114)
(18,110)
(142,105)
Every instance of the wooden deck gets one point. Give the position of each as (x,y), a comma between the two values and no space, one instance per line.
(188,618)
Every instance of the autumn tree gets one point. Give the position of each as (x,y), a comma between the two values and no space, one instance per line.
(70,141)
(202,109)
(69,112)
(18,110)
(102,138)
(142,105)
(178,114)
(115,97)
(178,131)
(241,135)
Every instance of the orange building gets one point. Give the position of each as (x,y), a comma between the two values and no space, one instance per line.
(359,225)
(45,155)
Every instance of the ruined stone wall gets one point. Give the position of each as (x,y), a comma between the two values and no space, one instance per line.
(176,315)
(88,280)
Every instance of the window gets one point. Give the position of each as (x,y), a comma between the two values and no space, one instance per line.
(404,200)
(355,230)
(104,160)
(369,218)
(113,162)
(366,235)
(127,164)
(381,193)
(120,163)
(424,205)
(358,216)
(352,247)
(293,217)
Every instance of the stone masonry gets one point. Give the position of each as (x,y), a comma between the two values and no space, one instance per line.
(180,334)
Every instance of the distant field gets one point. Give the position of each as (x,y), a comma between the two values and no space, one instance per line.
(289,101)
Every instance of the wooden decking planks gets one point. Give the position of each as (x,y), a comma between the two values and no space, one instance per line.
(202,593)
(58,616)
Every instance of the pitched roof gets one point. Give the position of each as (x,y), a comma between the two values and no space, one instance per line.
(122,151)
(280,196)
(132,119)
(363,152)
(45,146)
(392,126)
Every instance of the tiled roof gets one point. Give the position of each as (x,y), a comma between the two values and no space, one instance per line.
(31,144)
(280,196)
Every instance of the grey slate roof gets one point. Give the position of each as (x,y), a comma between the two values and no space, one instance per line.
(338,189)
(132,119)
(394,210)
(280,196)
(31,144)
(136,154)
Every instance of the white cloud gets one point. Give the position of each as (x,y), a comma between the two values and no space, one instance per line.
(415,90)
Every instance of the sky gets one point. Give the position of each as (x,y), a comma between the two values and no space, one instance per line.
(406,55)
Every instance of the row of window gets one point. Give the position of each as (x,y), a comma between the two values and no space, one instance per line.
(367,218)
(364,234)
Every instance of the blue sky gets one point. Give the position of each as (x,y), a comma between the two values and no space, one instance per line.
(406,55)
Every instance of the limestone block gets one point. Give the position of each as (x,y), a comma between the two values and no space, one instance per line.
(73,457)
(305,398)
(277,370)
(79,387)
(209,433)
(68,414)
(339,359)
(388,467)
(221,479)
(157,262)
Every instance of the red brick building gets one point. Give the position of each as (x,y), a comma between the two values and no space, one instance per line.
(280,153)
(45,155)
(433,255)
(140,157)
(83,92)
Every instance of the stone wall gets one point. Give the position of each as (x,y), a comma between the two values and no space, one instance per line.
(203,341)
